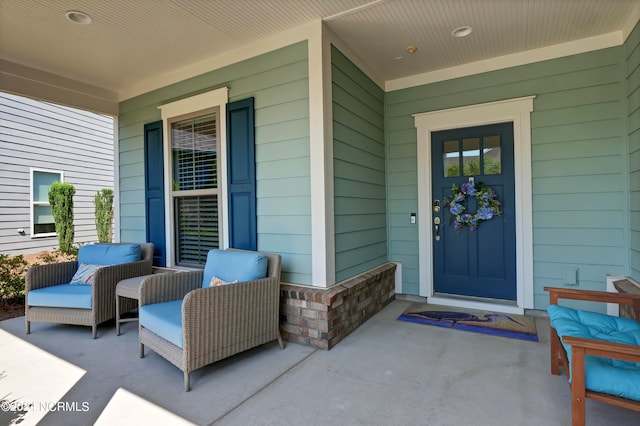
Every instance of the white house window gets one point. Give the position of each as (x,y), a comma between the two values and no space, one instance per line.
(194,171)
(42,224)
(195,186)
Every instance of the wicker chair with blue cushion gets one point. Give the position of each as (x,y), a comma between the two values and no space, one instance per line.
(199,317)
(600,354)
(82,292)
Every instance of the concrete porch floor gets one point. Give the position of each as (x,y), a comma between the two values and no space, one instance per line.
(387,372)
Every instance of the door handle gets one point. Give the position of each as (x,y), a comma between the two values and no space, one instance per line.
(436,222)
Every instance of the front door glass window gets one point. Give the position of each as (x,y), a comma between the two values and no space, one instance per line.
(474,156)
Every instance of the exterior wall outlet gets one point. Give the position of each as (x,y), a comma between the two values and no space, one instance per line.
(570,276)
(412,218)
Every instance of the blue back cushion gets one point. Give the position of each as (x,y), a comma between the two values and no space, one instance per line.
(109,254)
(234,265)
(614,377)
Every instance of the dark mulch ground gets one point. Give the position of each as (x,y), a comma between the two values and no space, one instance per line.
(12,310)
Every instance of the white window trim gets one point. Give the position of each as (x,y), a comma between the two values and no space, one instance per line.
(215,98)
(33,203)
(518,111)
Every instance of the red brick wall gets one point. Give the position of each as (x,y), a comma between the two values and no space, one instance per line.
(323,317)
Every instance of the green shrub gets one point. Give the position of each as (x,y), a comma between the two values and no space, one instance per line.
(12,272)
(61,200)
(103,203)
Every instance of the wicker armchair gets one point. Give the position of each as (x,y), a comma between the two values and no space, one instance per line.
(217,322)
(102,291)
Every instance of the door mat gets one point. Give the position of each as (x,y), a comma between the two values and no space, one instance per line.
(486,322)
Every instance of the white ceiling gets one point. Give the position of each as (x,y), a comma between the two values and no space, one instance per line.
(131,40)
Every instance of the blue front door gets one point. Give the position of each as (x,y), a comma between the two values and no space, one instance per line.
(471,256)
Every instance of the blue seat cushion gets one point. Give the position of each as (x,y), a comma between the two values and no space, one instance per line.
(164,319)
(232,266)
(109,254)
(62,296)
(613,377)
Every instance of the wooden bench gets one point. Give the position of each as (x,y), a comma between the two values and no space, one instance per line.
(581,347)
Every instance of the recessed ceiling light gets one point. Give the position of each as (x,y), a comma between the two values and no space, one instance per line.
(78,17)
(411,49)
(462,31)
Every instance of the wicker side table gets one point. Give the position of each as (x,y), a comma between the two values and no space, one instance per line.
(129,289)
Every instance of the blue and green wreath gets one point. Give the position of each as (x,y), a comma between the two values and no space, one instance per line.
(488,205)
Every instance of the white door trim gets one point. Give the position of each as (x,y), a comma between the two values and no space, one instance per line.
(518,111)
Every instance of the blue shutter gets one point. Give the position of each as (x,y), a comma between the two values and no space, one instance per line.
(241,175)
(154,190)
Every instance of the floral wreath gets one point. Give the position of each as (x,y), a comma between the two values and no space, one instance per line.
(488,205)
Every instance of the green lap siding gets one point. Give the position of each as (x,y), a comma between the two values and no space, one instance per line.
(585,160)
(279,83)
(632,56)
(579,163)
(359,169)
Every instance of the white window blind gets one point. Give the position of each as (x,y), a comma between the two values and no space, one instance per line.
(194,154)
(197,224)
(195,188)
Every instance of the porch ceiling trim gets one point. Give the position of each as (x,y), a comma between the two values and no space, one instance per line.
(25,81)
(507,61)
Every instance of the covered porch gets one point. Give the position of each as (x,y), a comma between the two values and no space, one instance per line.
(385,372)
(339,187)
(340,178)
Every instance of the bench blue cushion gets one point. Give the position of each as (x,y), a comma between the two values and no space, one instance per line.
(613,377)
(109,254)
(234,266)
(164,319)
(62,296)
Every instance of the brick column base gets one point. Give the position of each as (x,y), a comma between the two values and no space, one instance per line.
(323,317)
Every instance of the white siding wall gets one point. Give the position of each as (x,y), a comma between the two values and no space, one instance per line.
(35,134)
